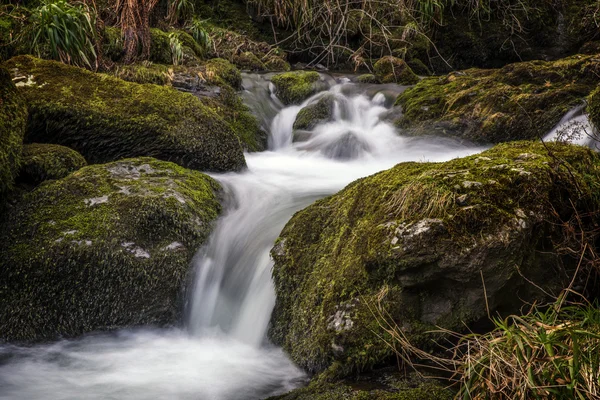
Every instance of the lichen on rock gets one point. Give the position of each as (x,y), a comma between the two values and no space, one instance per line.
(106,119)
(521,101)
(41,162)
(106,247)
(296,86)
(418,243)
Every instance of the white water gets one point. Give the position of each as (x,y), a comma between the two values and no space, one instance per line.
(575,127)
(222,353)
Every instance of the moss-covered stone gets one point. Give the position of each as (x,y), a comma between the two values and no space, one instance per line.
(13,119)
(277,64)
(394,70)
(413,246)
(519,101)
(143,73)
(315,114)
(108,246)
(367,78)
(41,162)
(221,72)
(249,62)
(296,86)
(594,107)
(384,387)
(162,53)
(106,119)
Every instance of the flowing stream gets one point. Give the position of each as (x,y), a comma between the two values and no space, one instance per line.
(221,353)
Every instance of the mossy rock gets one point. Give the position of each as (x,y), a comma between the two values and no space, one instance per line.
(249,62)
(367,78)
(106,119)
(521,101)
(594,107)
(412,245)
(107,247)
(41,162)
(221,72)
(390,69)
(384,387)
(161,52)
(143,73)
(277,64)
(296,86)
(13,120)
(315,114)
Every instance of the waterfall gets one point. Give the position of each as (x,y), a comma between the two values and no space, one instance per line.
(222,353)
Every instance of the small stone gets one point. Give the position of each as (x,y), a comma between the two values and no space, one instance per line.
(463,200)
(471,184)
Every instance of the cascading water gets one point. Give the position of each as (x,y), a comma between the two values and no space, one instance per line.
(223,353)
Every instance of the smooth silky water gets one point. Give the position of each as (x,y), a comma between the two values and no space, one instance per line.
(221,351)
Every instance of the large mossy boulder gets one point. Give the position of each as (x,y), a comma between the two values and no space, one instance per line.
(521,101)
(13,120)
(594,107)
(41,162)
(426,245)
(108,246)
(296,86)
(394,70)
(106,119)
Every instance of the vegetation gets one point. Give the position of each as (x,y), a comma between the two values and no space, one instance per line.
(296,86)
(41,162)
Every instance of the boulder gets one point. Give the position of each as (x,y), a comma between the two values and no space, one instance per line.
(13,120)
(106,119)
(296,86)
(390,69)
(106,247)
(521,101)
(426,245)
(41,162)
(315,113)
(367,78)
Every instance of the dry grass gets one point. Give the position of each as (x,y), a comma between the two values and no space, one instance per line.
(418,200)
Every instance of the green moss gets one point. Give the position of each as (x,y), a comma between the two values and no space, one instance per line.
(413,243)
(112,43)
(277,63)
(296,86)
(221,72)
(314,114)
(106,119)
(519,101)
(13,119)
(41,162)
(108,246)
(367,78)
(161,52)
(143,73)
(594,107)
(249,62)
(394,70)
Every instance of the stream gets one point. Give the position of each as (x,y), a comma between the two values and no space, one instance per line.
(221,351)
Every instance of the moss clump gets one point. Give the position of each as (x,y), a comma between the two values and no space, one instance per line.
(315,114)
(106,119)
(161,52)
(112,43)
(221,72)
(594,107)
(13,119)
(143,73)
(394,70)
(277,63)
(108,246)
(519,101)
(296,86)
(415,241)
(367,78)
(41,162)
(249,62)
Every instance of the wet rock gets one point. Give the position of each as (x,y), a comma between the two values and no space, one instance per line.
(296,86)
(315,114)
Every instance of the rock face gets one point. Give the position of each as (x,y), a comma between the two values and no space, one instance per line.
(108,246)
(13,119)
(41,162)
(520,101)
(394,70)
(296,86)
(106,119)
(418,243)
